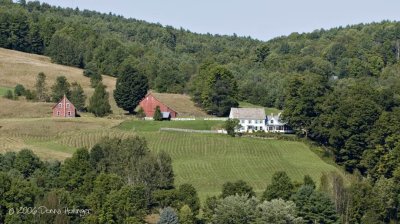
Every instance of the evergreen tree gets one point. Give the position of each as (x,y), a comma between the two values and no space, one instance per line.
(166,173)
(157,114)
(78,97)
(314,207)
(98,103)
(40,86)
(60,88)
(95,79)
(168,216)
(131,88)
(281,187)
(19,90)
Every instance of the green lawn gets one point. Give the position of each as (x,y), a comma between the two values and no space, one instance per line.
(268,110)
(3,90)
(146,126)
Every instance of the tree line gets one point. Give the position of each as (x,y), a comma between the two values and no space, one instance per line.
(174,60)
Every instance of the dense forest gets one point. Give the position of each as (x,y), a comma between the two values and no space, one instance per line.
(171,58)
(338,87)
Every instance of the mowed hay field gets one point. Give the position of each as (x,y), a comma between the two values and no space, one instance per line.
(205,160)
(22,68)
(208,161)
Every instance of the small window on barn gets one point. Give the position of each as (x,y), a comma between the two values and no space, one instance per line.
(60,105)
(69,113)
(67,105)
(58,113)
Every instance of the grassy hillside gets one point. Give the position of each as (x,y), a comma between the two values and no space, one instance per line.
(204,160)
(146,126)
(22,68)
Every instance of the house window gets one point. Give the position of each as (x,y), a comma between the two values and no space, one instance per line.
(69,113)
(58,113)
(272,121)
(67,105)
(59,105)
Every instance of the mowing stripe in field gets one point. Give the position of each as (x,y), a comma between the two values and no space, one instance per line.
(208,161)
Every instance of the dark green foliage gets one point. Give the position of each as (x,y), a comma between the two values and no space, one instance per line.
(215,89)
(157,114)
(187,195)
(209,208)
(131,88)
(30,95)
(75,170)
(55,199)
(262,53)
(40,87)
(281,187)
(165,173)
(19,90)
(27,162)
(78,97)
(123,204)
(9,95)
(64,49)
(98,102)
(103,185)
(314,207)
(308,181)
(168,216)
(154,171)
(303,93)
(95,79)
(166,198)
(60,88)
(237,188)
(231,125)
(112,184)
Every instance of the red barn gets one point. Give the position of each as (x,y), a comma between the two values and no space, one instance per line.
(64,108)
(149,104)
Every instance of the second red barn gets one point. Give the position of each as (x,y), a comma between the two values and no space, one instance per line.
(149,104)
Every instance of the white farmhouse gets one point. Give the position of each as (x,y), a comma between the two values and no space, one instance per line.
(251,119)
(274,124)
(254,119)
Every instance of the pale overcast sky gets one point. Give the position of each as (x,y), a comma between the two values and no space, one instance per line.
(261,19)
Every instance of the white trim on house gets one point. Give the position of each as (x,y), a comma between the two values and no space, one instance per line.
(254,119)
